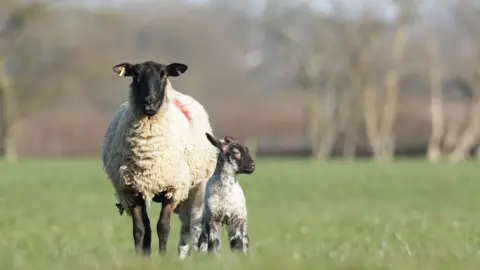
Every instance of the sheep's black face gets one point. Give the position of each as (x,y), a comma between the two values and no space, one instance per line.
(149,80)
(235,153)
(148,88)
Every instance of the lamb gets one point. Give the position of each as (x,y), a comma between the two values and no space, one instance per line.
(224,202)
(154,149)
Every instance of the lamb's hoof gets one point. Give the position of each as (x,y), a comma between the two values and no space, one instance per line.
(236,244)
(203,248)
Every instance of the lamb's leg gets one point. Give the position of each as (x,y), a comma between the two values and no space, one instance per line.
(237,235)
(163,225)
(212,229)
(246,238)
(141,227)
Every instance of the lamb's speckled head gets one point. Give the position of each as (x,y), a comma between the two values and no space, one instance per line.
(149,80)
(234,153)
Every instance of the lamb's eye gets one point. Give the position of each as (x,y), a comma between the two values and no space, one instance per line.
(236,154)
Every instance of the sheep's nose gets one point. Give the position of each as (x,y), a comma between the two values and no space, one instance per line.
(148,101)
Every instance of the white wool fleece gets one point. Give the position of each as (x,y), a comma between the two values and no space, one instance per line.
(150,155)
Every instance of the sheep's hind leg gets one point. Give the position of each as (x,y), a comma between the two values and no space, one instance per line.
(142,233)
(203,237)
(202,244)
(198,242)
(163,225)
(200,233)
(198,239)
(190,236)
(184,242)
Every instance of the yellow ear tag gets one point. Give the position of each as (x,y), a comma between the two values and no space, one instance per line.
(122,72)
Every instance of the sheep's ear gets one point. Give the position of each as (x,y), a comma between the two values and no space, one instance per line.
(176,69)
(214,141)
(124,69)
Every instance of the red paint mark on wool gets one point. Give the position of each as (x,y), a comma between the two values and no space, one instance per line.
(184,110)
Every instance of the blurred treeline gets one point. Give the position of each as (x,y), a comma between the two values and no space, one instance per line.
(381,78)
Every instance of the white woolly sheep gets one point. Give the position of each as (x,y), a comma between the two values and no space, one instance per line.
(224,202)
(155,149)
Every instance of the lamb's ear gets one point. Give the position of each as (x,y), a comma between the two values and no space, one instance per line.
(229,139)
(176,69)
(214,141)
(124,69)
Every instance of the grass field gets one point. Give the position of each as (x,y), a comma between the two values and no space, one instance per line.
(60,214)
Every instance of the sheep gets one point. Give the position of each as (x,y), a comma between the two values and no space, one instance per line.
(224,202)
(154,149)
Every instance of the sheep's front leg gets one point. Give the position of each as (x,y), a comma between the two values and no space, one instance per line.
(142,233)
(163,225)
(212,229)
(238,236)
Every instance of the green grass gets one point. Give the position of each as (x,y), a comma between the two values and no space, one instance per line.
(60,214)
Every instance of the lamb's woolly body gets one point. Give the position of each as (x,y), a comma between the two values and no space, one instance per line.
(224,204)
(224,198)
(162,153)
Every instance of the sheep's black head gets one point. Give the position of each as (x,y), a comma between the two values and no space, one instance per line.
(234,153)
(149,80)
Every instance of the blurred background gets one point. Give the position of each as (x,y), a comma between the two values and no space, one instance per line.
(325,78)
